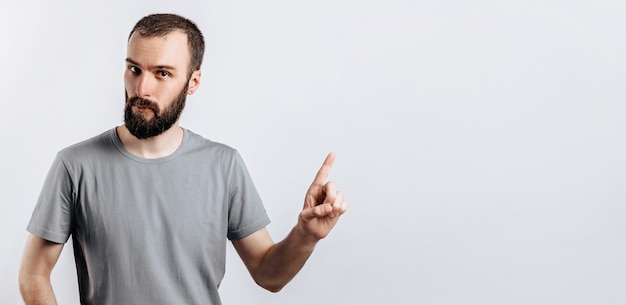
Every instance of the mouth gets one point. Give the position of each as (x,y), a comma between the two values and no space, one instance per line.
(143,109)
(143,106)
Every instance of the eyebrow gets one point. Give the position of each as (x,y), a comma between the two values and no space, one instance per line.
(160,67)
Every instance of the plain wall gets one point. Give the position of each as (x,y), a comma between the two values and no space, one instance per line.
(480,143)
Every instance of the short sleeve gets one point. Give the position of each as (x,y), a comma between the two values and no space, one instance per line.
(52,217)
(246,213)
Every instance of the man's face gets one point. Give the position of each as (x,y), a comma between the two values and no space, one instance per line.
(157,82)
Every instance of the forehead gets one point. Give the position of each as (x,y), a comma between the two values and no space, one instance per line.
(169,50)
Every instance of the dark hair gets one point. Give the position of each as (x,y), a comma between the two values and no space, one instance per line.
(163,24)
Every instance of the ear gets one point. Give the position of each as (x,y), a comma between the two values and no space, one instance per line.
(194,82)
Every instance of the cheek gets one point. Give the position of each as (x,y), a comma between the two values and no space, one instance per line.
(173,91)
(128,85)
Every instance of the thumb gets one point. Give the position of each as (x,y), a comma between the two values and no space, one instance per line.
(316,211)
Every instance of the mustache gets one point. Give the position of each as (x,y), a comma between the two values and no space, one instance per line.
(144,103)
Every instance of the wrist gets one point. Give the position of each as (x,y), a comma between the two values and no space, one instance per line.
(303,236)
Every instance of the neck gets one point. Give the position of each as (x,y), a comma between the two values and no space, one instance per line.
(160,146)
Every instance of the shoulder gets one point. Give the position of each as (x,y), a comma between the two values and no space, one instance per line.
(199,144)
(89,148)
(216,154)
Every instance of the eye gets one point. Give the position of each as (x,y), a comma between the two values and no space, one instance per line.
(163,74)
(134,69)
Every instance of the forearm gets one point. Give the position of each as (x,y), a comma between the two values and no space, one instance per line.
(37,290)
(285,259)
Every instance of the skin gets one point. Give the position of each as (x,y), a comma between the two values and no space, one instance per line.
(39,258)
(273,265)
(157,69)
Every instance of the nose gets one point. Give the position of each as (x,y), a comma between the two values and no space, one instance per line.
(144,86)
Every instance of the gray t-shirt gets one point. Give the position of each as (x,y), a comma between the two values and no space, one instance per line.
(148,231)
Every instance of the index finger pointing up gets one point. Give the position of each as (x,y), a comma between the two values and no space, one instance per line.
(322,174)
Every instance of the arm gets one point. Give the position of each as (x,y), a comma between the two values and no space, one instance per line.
(272,265)
(39,258)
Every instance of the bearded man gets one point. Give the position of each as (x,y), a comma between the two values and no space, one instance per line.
(150,205)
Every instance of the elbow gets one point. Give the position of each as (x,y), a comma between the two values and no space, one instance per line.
(22,285)
(24,282)
(272,288)
(275,290)
(34,286)
(270,285)
(26,285)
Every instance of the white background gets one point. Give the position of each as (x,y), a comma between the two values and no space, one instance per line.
(480,143)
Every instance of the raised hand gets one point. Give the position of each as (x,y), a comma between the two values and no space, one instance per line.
(323,203)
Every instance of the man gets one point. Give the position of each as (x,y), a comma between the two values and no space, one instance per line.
(150,205)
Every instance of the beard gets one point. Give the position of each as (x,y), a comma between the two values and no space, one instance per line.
(143,128)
